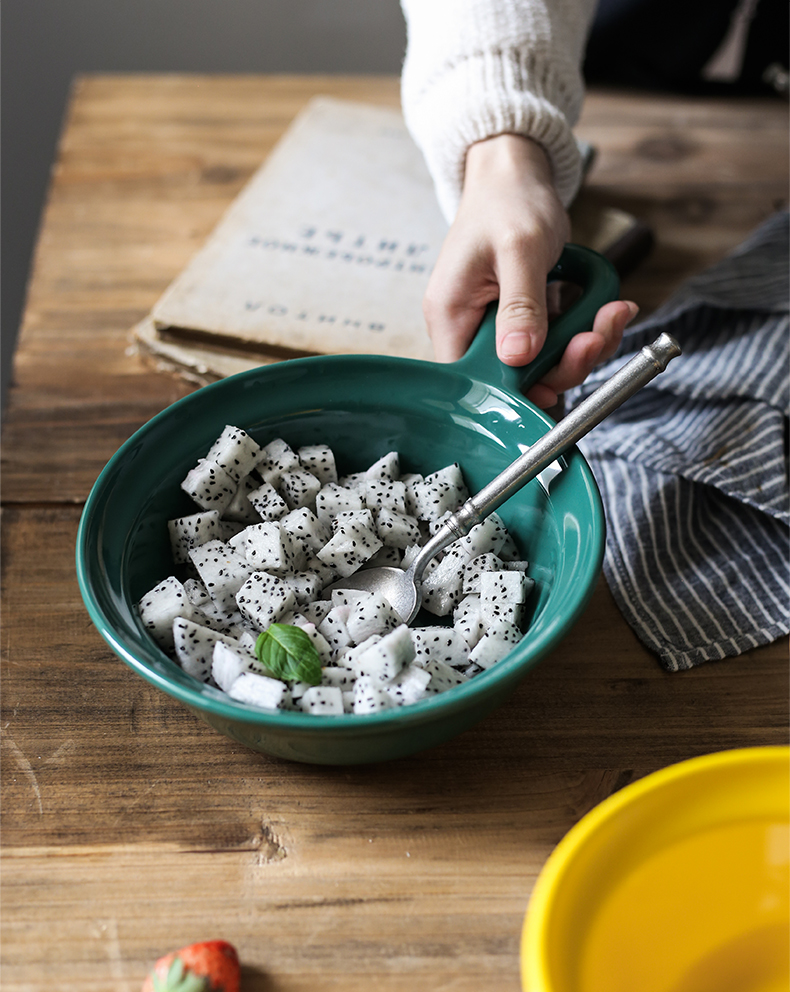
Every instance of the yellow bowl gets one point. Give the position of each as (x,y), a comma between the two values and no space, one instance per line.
(677,883)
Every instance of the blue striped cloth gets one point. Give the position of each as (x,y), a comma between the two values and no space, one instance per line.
(693,470)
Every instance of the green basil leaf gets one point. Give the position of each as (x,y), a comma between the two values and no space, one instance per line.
(289,654)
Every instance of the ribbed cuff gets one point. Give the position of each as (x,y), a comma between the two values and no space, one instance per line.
(487,94)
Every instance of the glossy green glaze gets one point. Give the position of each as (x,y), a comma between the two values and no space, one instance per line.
(363,406)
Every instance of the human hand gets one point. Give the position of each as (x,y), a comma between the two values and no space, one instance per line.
(508,234)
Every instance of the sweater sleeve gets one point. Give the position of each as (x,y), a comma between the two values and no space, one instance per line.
(477,68)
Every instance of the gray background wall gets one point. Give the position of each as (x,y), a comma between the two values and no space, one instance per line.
(46,42)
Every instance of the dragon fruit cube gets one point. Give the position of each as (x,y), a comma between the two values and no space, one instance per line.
(257,690)
(222,571)
(440,492)
(334,630)
(160,606)
(209,485)
(498,640)
(267,502)
(443,644)
(299,488)
(319,459)
(468,619)
(488,562)
(397,530)
(370,696)
(322,700)
(339,676)
(442,585)
(487,536)
(306,587)
(332,499)
(227,663)
(276,458)
(306,529)
(371,615)
(442,676)
(387,657)
(264,599)
(503,587)
(240,509)
(409,686)
(387,467)
(385,493)
(235,452)
(194,647)
(268,547)
(192,531)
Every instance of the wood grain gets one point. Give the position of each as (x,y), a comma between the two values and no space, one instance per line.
(130,827)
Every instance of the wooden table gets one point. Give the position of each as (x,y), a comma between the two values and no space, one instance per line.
(131,828)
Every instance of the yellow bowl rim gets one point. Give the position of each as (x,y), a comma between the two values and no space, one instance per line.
(534,963)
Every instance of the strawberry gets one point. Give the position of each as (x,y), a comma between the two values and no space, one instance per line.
(208,966)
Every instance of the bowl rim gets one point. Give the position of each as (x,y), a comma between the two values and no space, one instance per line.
(219,704)
(534,947)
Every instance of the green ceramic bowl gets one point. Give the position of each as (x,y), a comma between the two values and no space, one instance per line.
(470,411)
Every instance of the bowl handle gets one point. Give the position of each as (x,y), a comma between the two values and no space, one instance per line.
(599,283)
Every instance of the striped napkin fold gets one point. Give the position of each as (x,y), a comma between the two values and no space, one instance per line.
(693,470)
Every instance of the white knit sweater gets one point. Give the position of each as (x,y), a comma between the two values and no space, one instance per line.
(476,68)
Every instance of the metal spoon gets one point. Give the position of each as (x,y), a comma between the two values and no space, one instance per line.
(402,587)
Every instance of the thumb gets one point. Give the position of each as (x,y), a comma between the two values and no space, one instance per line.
(522,315)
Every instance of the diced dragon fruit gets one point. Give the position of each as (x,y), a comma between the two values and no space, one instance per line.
(222,571)
(386,467)
(194,647)
(209,485)
(160,606)
(371,615)
(190,531)
(385,557)
(298,488)
(356,481)
(227,663)
(351,546)
(497,587)
(387,494)
(397,530)
(264,599)
(322,700)
(275,458)
(240,509)
(268,547)
(197,594)
(267,502)
(257,690)
(334,630)
(442,584)
(306,587)
(333,499)
(468,619)
(339,676)
(387,657)
(497,641)
(442,676)
(370,696)
(319,459)
(306,529)
(443,644)
(235,452)
(474,569)
(440,492)
(409,686)
(316,612)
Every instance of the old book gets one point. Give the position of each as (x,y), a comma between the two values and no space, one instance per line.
(328,249)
